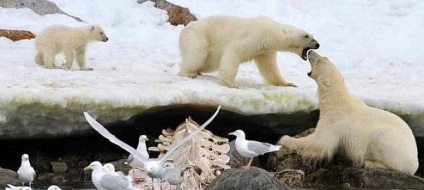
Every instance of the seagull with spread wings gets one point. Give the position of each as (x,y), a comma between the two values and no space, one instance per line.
(153,167)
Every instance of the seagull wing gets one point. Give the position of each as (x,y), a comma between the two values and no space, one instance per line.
(188,137)
(260,147)
(105,133)
(117,182)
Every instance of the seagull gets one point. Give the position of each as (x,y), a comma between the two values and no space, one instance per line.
(175,175)
(141,147)
(54,187)
(26,172)
(250,149)
(106,181)
(132,161)
(153,167)
(11,187)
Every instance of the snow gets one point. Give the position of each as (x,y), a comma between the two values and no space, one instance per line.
(376,44)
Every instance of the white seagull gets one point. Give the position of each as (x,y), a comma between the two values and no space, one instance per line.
(11,187)
(250,149)
(133,161)
(153,167)
(54,187)
(141,147)
(26,172)
(106,181)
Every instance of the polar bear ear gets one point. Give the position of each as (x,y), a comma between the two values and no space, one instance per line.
(92,28)
(325,81)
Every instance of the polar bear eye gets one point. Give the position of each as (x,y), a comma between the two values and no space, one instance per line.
(101,33)
(306,36)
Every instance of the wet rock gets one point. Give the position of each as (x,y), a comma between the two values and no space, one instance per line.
(8,176)
(237,160)
(238,178)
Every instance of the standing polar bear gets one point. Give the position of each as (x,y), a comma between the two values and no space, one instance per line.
(72,41)
(369,137)
(223,42)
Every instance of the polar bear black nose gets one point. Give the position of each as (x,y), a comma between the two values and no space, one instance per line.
(105,39)
(317,45)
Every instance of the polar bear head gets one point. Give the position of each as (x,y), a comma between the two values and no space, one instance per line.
(307,42)
(97,33)
(325,73)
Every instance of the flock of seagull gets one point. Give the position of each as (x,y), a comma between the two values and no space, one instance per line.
(104,177)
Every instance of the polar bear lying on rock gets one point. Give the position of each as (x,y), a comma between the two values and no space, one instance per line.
(68,40)
(223,42)
(369,137)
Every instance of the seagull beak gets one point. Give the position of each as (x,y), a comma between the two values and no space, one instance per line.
(87,168)
(147,139)
(232,133)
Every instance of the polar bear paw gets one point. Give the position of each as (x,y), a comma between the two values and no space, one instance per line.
(286,84)
(86,69)
(189,74)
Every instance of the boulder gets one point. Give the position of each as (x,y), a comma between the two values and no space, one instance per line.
(41,7)
(177,14)
(238,178)
(8,176)
(16,35)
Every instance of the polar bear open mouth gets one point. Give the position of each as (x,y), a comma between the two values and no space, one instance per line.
(305,53)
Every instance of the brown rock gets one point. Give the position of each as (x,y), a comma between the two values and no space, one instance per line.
(16,35)
(177,14)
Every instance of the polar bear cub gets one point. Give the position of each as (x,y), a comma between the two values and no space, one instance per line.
(223,42)
(369,137)
(72,41)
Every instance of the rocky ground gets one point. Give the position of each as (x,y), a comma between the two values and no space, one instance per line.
(60,161)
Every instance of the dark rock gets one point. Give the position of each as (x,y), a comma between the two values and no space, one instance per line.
(252,179)
(58,167)
(336,174)
(237,160)
(41,7)
(8,177)
(340,177)
(286,160)
(120,166)
(291,177)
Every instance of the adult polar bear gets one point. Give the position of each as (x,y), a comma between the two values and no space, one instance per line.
(369,137)
(69,40)
(223,42)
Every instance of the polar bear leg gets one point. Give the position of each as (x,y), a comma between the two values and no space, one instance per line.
(374,164)
(49,60)
(267,65)
(228,67)
(316,147)
(194,52)
(69,57)
(80,54)
(39,58)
